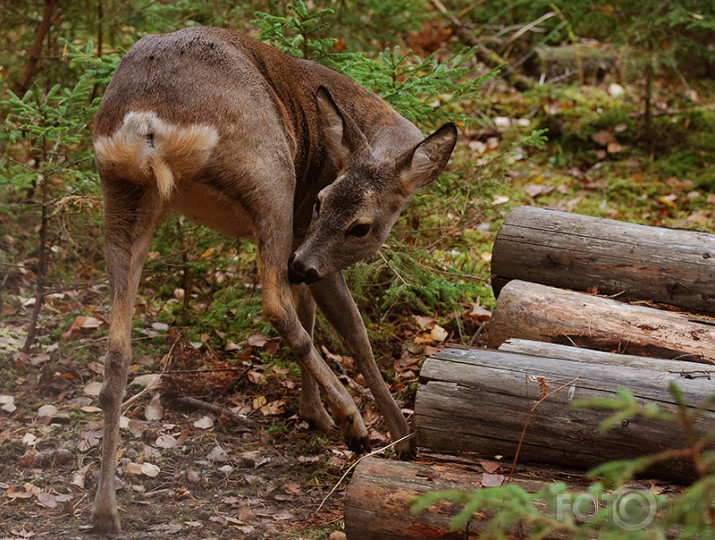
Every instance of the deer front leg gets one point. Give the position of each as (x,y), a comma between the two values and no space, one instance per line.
(311,407)
(130,218)
(335,301)
(279,310)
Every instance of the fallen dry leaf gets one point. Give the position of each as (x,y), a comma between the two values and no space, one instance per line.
(438,333)
(217,454)
(150,470)
(492,480)
(292,488)
(8,403)
(603,137)
(154,409)
(205,422)
(48,411)
(92,388)
(151,381)
(165,441)
(48,500)
(490,466)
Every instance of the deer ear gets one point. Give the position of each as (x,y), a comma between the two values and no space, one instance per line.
(340,134)
(426,160)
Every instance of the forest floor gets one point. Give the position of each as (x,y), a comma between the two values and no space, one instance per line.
(183,473)
(193,473)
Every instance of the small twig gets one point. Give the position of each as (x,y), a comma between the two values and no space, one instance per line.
(478,332)
(150,388)
(204,370)
(378,451)
(528,418)
(218,410)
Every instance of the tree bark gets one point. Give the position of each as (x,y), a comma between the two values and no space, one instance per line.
(379,498)
(36,50)
(585,253)
(576,354)
(475,402)
(541,313)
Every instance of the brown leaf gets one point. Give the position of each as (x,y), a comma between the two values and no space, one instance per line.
(479,313)
(425,323)
(292,488)
(48,500)
(490,466)
(273,408)
(76,325)
(257,340)
(534,190)
(603,137)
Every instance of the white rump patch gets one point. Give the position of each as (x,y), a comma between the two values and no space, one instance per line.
(146,147)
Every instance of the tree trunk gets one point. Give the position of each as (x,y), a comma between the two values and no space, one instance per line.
(585,253)
(378,501)
(475,402)
(541,313)
(36,50)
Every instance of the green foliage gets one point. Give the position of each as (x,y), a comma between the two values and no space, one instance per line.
(300,32)
(423,90)
(608,509)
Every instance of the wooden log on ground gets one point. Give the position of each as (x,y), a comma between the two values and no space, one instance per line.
(378,501)
(475,402)
(584,253)
(576,354)
(540,313)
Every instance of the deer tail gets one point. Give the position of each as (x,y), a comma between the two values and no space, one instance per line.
(146,149)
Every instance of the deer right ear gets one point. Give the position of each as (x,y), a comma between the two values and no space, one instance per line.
(424,163)
(339,133)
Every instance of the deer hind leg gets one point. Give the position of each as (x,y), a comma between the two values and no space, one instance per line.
(311,407)
(336,303)
(280,310)
(131,214)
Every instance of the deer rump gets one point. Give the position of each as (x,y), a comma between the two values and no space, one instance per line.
(235,135)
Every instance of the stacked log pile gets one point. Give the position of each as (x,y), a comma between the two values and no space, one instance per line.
(561,327)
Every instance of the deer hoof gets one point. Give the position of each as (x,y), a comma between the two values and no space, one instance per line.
(318,419)
(106,523)
(355,433)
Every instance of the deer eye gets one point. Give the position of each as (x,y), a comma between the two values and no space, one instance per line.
(316,208)
(359,230)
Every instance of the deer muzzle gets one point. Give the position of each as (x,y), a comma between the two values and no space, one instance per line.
(301,272)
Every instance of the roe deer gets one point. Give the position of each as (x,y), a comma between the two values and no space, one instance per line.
(242,138)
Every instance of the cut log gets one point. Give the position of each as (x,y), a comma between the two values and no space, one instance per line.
(576,354)
(475,402)
(541,313)
(585,253)
(378,501)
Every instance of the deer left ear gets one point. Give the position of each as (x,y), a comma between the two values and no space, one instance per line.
(340,134)
(426,161)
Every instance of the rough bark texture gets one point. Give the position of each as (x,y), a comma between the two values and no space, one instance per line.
(474,402)
(377,505)
(584,253)
(541,313)
(576,354)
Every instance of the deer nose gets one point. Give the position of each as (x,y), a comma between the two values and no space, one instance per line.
(299,272)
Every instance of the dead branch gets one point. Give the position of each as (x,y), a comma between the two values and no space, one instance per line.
(484,53)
